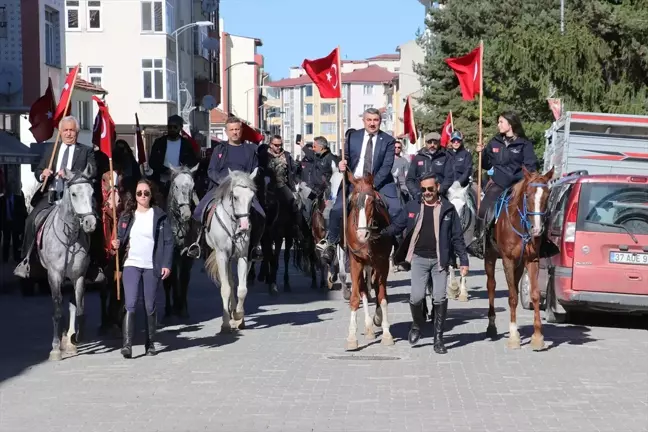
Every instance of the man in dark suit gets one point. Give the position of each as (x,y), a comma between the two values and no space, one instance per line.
(13,213)
(368,150)
(69,154)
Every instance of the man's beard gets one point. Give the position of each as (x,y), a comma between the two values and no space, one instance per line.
(429,198)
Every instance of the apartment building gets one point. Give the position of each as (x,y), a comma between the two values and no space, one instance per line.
(293,105)
(129,47)
(407,83)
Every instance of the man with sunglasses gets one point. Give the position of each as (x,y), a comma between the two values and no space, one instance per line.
(461,160)
(399,170)
(430,159)
(433,237)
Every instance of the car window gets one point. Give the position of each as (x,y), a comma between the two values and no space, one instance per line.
(558,212)
(613,208)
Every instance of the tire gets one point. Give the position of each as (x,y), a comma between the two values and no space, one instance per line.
(524,289)
(550,309)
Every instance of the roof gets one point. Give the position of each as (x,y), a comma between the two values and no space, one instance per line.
(12,151)
(385,57)
(82,84)
(217,116)
(257,41)
(370,74)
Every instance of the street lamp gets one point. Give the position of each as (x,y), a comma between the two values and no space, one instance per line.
(175,34)
(229,93)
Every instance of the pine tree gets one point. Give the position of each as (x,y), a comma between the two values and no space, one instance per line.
(598,64)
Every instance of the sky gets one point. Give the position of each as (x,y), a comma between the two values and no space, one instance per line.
(292,30)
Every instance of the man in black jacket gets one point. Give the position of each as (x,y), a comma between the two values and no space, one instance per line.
(13,213)
(431,159)
(433,238)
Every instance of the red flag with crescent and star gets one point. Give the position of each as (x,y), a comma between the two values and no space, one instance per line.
(446,131)
(104,128)
(66,93)
(41,115)
(141,152)
(468,71)
(325,73)
(408,120)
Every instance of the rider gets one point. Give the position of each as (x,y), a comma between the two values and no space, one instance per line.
(506,154)
(233,155)
(69,155)
(462,161)
(279,167)
(399,170)
(368,150)
(431,159)
(320,173)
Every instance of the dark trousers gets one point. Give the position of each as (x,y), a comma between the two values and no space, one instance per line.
(30,225)
(492,192)
(10,237)
(133,279)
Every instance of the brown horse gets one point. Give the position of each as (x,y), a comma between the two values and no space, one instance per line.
(517,239)
(369,258)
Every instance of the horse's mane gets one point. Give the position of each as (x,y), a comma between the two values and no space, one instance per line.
(518,189)
(236,178)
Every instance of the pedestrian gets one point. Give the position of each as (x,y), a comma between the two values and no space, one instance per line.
(430,159)
(433,238)
(144,237)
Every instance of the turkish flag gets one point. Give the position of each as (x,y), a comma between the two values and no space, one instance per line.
(66,93)
(555,105)
(141,152)
(468,71)
(194,144)
(104,128)
(408,119)
(250,134)
(41,115)
(447,130)
(326,75)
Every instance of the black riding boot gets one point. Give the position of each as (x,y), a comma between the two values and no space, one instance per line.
(255,252)
(151,324)
(440,312)
(548,248)
(418,320)
(476,246)
(128,329)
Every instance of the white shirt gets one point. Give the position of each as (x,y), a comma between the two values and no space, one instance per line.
(172,155)
(141,241)
(59,158)
(359,170)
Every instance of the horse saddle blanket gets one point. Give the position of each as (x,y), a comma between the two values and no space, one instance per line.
(39,222)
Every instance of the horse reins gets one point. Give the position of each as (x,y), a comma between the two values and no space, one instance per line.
(233,218)
(524,219)
(370,228)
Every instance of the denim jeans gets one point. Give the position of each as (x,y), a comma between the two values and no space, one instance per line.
(425,272)
(150,282)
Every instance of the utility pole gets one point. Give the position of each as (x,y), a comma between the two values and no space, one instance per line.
(562,16)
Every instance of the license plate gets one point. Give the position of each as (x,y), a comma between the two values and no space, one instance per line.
(628,258)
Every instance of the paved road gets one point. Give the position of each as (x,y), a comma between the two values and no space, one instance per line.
(288,372)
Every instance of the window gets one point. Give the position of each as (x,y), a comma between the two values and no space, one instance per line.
(333,146)
(84,114)
(308,90)
(153,76)
(69,69)
(52,38)
(309,129)
(171,81)
(309,109)
(327,109)
(602,205)
(367,106)
(72,13)
(94,15)
(328,128)
(170,16)
(152,16)
(368,89)
(94,75)
(201,34)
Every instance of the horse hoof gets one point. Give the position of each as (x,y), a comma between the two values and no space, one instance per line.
(537,343)
(351,345)
(377,320)
(225,330)
(55,355)
(272,289)
(241,324)
(513,343)
(369,334)
(330,283)
(463,297)
(387,340)
(346,292)
(491,331)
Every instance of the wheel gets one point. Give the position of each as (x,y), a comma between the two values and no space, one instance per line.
(525,291)
(551,314)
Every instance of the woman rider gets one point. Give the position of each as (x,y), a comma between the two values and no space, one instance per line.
(506,154)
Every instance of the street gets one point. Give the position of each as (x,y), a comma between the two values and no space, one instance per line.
(288,370)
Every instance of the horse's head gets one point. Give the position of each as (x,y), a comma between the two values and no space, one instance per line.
(363,206)
(242,191)
(79,192)
(458,196)
(181,192)
(536,194)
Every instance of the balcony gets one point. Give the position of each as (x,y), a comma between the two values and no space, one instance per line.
(203,87)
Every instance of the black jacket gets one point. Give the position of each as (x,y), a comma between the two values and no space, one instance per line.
(306,166)
(322,171)
(424,162)
(163,238)
(19,214)
(462,165)
(218,168)
(451,241)
(291,168)
(158,153)
(507,161)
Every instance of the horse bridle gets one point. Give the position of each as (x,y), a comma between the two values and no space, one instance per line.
(78,180)
(360,204)
(524,219)
(233,217)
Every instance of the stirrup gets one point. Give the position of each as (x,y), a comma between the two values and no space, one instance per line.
(194,251)
(322,245)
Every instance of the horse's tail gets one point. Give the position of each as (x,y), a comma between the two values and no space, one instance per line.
(211,266)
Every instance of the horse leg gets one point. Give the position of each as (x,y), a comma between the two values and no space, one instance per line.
(513,275)
(354,303)
(251,276)
(289,245)
(273,267)
(489,267)
(463,290)
(105,312)
(381,298)
(453,285)
(241,292)
(313,274)
(79,296)
(226,289)
(66,340)
(537,340)
(324,282)
(168,311)
(57,300)
(183,285)
(369,333)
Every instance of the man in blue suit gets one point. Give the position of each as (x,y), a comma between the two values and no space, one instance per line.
(367,150)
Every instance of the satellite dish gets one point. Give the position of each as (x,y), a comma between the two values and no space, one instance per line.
(211,44)
(209,6)
(208,102)
(10,79)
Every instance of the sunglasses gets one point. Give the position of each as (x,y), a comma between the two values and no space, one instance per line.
(145,193)
(431,142)
(428,189)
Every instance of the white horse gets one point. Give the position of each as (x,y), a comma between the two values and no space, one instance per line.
(463,200)
(228,234)
(339,264)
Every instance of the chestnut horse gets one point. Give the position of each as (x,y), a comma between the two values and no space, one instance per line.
(369,258)
(517,238)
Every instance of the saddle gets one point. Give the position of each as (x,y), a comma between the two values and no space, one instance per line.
(208,213)
(494,212)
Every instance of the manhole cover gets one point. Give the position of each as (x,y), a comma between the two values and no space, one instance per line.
(362,357)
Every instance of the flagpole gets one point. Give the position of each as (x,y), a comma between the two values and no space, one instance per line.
(451,121)
(481,111)
(115,222)
(343,145)
(58,133)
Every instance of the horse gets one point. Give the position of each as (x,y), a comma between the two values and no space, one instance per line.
(518,230)
(369,258)
(228,235)
(464,200)
(63,252)
(179,204)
